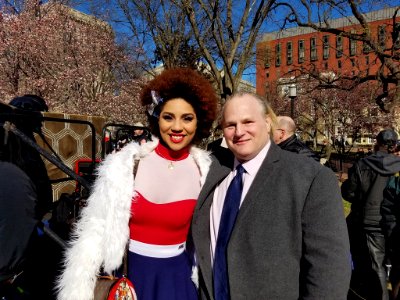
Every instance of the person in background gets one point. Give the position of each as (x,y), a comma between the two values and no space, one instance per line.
(367,179)
(270,225)
(397,149)
(27,120)
(284,136)
(18,222)
(220,150)
(40,267)
(390,211)
(152,210)
(139,134)
(325,153)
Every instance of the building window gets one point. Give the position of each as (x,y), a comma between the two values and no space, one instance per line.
(289,53)
(353,62)
(278,55)
(301,51)
(366,48)
(367,60)
(339,46)
(267,57)
(382,36)
(326,65)
(353,47)
(267,74)
(339,64)
(396,36)
(325,40)
(313,49)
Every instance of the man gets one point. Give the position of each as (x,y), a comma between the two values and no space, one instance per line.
(28,107)
(390,210)
(39,270)
(364,188)
(18,213)
(285,137)
(289,239)
(325,154)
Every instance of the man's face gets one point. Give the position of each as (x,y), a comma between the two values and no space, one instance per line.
(245,128)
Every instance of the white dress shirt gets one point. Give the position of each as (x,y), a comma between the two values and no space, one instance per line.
(251,168)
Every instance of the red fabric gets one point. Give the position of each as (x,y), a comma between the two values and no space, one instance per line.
(169,154)
(160,224)
(121,290)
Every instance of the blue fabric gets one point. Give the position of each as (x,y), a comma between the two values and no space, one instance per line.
(228,218)
(161,278)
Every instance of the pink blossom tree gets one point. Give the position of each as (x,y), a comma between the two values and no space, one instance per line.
(68,58)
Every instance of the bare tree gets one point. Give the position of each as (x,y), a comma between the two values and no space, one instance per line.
(218,36)
(226,32)
(158,28)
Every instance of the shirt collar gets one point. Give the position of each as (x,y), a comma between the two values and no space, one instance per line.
(251,166)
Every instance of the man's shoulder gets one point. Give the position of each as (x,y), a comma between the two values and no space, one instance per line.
(10,170)
(293,144)
(295,163)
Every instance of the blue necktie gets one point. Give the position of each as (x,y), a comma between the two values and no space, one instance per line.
(228,218)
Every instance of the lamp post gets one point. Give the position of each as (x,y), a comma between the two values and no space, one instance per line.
(292,96)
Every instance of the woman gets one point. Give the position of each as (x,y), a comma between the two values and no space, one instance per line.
(152,210)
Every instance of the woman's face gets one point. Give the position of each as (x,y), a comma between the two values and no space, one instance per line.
(178,123)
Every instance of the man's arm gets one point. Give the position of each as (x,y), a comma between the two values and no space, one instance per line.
(351,187)
(325,267)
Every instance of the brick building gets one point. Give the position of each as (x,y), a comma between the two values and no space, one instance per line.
(288,53)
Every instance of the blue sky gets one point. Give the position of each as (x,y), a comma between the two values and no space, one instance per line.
(274,23)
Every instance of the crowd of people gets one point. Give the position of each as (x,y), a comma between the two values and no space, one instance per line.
(257,216)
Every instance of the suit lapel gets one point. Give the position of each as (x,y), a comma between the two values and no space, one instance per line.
(202,220)
(261,181)
(202,215)
(216,174)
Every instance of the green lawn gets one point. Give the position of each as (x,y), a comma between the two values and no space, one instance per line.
(346,206)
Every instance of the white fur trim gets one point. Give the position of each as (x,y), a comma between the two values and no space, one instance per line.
(102,232)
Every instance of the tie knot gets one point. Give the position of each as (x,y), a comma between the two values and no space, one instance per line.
(239,170)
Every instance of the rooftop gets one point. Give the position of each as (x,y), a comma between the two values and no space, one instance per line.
(382,14)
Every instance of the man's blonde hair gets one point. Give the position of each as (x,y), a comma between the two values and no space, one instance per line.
(266,108)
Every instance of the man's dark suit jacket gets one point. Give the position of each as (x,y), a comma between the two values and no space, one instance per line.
(290,239)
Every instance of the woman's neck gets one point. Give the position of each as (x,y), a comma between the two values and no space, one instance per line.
(167,153)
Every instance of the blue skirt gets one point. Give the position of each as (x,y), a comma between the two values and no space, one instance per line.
(162,278)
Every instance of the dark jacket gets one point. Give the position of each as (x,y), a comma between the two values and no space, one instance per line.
(289,240)
(391,218)
(17,218)
(293,144)
(35,168)
(364,187)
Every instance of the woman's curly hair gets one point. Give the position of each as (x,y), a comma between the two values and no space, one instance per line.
(186,84)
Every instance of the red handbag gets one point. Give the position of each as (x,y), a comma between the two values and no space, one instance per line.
(114,288)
